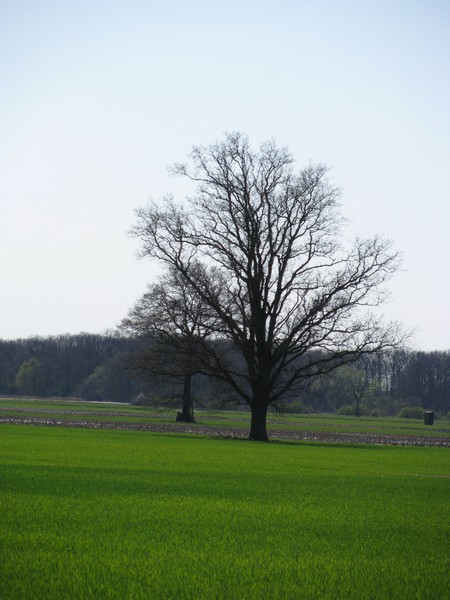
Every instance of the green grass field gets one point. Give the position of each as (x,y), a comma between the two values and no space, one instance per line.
(134,515)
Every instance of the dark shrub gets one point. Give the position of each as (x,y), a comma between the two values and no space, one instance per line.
(411,412)
(297,406)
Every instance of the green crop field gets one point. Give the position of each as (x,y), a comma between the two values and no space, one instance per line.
(128,514)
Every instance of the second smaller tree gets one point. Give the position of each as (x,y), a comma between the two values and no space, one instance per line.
(174,325)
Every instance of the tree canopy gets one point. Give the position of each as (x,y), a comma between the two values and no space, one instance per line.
(260,243)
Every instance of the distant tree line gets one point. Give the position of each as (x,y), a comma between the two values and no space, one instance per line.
(384,384)
(82,365)
(113,367)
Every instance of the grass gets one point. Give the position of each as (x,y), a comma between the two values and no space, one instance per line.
(119,514)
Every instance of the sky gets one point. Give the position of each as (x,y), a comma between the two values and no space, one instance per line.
(98,98)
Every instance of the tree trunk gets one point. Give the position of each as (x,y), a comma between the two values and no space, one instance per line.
(187,412)
(258,431)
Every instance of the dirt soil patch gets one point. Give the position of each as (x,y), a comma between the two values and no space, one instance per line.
(234,432)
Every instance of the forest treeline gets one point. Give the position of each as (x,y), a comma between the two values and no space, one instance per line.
(96,367)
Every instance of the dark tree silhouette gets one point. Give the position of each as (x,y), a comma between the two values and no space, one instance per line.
(261,246)
(174,323)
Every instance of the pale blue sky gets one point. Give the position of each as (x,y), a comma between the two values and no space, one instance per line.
(98,97)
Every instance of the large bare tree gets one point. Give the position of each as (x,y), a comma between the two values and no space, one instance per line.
(261,245)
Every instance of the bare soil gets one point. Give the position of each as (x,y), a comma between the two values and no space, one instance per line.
(335,437)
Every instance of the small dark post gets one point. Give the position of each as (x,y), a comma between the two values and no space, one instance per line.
(428,417)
